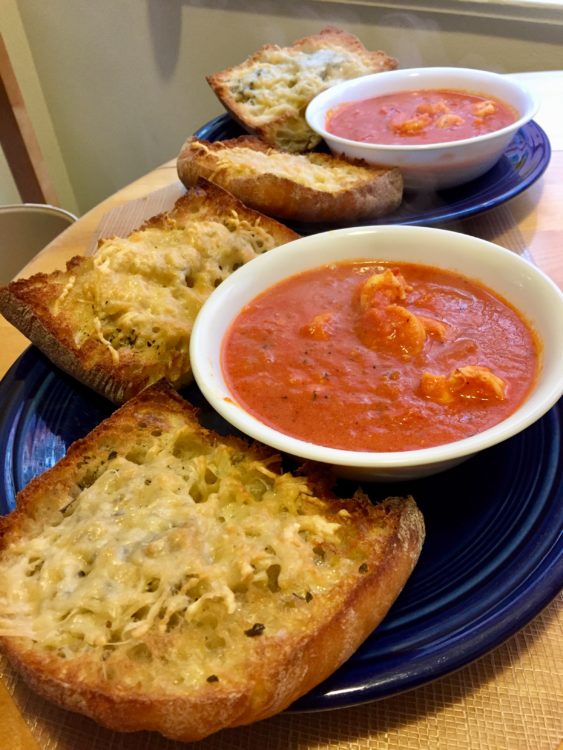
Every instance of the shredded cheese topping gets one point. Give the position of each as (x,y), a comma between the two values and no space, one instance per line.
(283,80)
(166,555)
(310,170)
(141,294)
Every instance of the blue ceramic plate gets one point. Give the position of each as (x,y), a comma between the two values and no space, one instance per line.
(493,556)
(523,162)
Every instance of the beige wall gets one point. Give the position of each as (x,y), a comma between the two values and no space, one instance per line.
(124,80)
(8,189)
(38,109)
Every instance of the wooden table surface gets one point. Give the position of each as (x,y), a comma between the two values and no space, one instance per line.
(511,698)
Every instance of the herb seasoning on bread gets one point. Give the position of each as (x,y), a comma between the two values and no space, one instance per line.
(269,92)
(122,318)
(160,577)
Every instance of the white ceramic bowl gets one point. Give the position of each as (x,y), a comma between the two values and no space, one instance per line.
(432,166)
(518,281)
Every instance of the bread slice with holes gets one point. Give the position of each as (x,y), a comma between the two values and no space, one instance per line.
(161,577)
(313,187)
(122,318)
(269,91)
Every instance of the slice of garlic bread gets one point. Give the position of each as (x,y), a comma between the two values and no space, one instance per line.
(268,92)
(161,577)
(312,187)
(122,318)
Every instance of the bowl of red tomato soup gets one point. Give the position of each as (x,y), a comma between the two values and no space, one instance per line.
(386,352)
(440,126)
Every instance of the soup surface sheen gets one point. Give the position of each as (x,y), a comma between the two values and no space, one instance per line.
(373,356)
(419,117)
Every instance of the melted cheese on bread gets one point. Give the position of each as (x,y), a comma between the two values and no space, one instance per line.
(269,91)
(311,170)
(173,553)
(284,81)
(162,577)
(142,293)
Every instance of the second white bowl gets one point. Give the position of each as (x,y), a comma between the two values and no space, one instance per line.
(429,166)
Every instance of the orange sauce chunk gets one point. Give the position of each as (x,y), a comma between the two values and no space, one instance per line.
(375,356)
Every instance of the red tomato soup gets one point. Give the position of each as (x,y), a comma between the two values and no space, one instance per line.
(371,356)
(420,117)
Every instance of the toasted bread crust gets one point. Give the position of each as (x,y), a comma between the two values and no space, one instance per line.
(286,127)
(368,192)
(28,303)
(388,536)
(24,303)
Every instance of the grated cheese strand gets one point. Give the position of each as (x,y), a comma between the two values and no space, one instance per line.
(165,540)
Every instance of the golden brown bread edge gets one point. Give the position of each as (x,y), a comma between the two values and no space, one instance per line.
(280,675)
(25,303)
(328,37)
(286,198)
